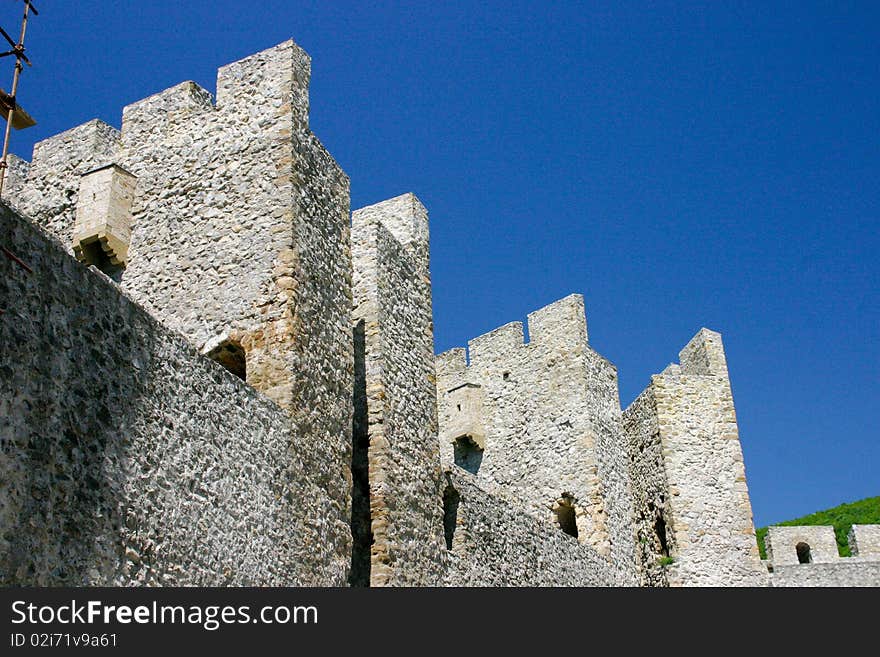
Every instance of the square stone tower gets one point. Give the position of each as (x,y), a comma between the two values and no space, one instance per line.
(397,518)
(540,422)
(693,514)
(228,222)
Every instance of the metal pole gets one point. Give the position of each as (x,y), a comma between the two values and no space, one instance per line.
(19,48)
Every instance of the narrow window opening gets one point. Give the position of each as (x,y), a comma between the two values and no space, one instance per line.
(566,516)
(451,498)
(803,553)
(660,531)
(467,454)
(506,376)
(458,406)
(230,355)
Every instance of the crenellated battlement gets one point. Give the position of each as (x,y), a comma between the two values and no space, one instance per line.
(406,219)
(272,84)
(85,146)
(541,421)
(686,463)
(790,545)
(559,325)
(157,115)
(810,556)
(793,545)
(277,77)
(497,346)
(266,360)
(451,364)
(704,355)
(229,205)
(46,188)
(864,541)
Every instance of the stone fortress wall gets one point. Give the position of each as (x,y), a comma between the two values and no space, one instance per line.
(395,408)
(219,376)
(541,422)
(688,473)
(809,556)
(238,228)
(130,459)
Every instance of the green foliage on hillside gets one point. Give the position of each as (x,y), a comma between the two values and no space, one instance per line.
(863,512)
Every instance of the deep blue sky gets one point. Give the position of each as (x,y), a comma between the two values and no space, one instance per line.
(679,164)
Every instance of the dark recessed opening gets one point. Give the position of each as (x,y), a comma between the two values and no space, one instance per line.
(803,553)
(467,454)
(451,498)
(660,531)
(93,254)
(361,519)
(506,376)
(231,355)
(565,515)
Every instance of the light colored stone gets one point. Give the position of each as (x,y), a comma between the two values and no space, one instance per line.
(132,458)
(548,414)
(102,229)
(864,541)
(687,476)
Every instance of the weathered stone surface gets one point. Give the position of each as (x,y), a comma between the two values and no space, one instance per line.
(844,572)
(693,515)
(809,556)
(864,541)
(240,228)
(395,405)
(128,459)
(547,415)
(789,545)
(130,456)
(497,542)
(102,231)
(239,221)
(650,489)
(47,191)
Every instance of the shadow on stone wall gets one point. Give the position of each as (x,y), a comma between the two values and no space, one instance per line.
(73,365)
(361,532)
(129,459)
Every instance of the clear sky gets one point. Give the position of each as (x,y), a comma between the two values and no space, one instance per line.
(680,164)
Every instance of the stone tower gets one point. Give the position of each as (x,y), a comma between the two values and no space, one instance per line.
(540,421)
(693,514)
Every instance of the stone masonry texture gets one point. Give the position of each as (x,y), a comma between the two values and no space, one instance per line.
(239,219)
(487,545)
(128,459)
(809,556)
(846,572)
(687,469)
(212,373)
(864,541)
(550,415)
(396,421)
(239,230)
(819,541)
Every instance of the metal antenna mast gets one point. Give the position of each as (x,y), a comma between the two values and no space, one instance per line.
(15,117)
